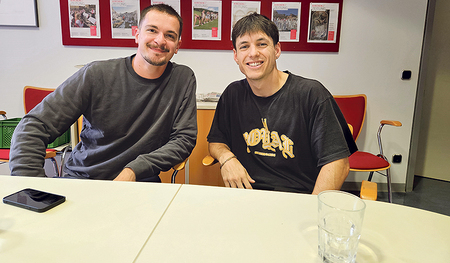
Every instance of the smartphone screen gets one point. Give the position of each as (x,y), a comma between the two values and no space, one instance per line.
(34,200)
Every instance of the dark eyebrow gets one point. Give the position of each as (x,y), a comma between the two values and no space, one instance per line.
(258,40)
(262,39)
(242,42)
(151,26)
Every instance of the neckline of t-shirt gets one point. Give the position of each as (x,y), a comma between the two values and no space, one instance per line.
(288,80)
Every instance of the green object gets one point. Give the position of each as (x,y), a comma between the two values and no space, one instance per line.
(8,126)
(6,131)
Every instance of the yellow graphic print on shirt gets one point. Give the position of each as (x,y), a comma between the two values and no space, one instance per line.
(270,141)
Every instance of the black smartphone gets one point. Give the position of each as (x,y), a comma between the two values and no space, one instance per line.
(34,200)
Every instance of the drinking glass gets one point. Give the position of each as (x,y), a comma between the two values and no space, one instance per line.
(341,216)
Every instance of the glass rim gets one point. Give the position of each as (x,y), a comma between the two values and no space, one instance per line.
(344,193)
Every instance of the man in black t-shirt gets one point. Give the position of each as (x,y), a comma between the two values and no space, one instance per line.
(275,130)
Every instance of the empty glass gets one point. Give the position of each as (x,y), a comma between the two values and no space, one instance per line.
(340,220)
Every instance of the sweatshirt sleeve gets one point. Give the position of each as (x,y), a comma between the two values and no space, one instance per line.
(43,124)
(28,146)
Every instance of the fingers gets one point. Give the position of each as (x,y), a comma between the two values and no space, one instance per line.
(238,182)
(233,183)
(248,185)
(248,181)
(227,184)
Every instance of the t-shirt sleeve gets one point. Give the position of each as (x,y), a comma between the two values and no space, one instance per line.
(220,128)
(331,138)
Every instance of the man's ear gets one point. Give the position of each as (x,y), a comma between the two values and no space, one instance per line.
(136,36)
(235,55)
(178,46)
(278,50)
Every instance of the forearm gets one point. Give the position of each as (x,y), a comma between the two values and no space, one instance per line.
(332,176)
(28,148)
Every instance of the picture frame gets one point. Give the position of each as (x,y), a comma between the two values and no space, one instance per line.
(21,13)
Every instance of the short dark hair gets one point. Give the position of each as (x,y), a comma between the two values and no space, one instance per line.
(254,23)
(163,8)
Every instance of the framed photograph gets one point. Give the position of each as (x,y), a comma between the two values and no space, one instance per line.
(207,20)
(286,15)
(323,22)
(19,13)
(124,18)
(84,19)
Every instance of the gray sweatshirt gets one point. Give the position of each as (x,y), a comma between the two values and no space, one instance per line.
(129,121)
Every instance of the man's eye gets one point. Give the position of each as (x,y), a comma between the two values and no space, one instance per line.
(243,47)
(171,37)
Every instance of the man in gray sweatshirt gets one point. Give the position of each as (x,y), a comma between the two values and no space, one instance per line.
(139,111)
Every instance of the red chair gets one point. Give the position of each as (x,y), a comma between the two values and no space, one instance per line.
(32,96)
(354,109)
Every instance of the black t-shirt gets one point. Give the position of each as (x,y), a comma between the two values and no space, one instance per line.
(282,140)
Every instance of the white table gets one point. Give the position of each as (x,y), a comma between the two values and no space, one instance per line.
(104,221)
(211,224)
(101,221)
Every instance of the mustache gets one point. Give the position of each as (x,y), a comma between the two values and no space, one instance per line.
(163,48)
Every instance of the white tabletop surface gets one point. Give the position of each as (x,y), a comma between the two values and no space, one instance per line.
(212,224)
(101,221)
(104,221)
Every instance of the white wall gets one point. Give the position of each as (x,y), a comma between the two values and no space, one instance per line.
(379,39)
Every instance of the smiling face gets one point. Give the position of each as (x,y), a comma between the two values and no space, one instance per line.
(256,56)
(158,38)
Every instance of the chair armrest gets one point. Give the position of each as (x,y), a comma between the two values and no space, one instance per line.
(209,160)
(382,123)
(180,166)
(50,154)
(392,123)
(176,169)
